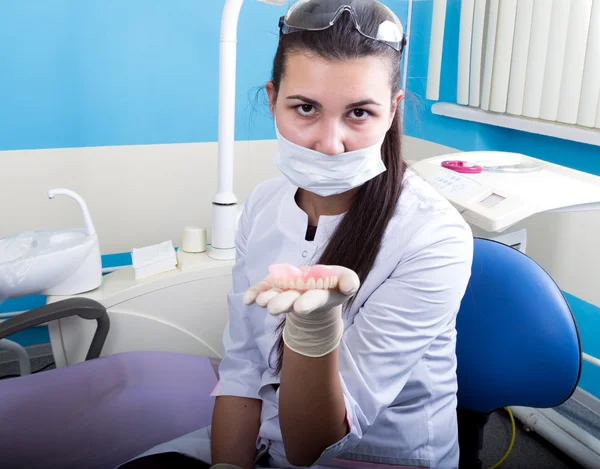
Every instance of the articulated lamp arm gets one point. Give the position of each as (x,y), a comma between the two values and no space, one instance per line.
(225,211)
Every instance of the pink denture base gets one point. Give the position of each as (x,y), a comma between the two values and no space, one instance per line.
(290,277)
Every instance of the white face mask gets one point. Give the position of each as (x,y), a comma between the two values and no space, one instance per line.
(326,175)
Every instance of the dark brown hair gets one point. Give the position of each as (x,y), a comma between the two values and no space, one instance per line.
(357,238)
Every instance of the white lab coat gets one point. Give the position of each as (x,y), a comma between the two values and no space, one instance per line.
(397,358)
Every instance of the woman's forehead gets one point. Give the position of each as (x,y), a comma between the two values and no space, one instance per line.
(337,80)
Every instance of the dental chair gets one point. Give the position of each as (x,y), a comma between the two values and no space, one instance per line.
(104,411)
(517,344)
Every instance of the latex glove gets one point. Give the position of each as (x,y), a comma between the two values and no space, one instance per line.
(314,325)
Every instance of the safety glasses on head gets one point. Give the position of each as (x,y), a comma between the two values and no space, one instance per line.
(371,18)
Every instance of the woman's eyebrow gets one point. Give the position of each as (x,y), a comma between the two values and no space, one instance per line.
(364,102)
(312,102)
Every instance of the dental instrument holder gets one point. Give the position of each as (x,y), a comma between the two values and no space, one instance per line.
(224,205)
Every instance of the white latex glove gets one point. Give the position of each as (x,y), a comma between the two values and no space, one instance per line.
(314,325)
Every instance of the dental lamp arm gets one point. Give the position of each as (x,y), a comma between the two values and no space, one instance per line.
(83,307)
(224,201)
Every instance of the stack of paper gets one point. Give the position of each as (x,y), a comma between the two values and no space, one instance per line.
(152,260)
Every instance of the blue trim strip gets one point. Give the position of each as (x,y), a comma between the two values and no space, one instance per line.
(22,304)
(116,260)
(33,336)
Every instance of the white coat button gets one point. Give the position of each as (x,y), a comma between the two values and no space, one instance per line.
(304,253)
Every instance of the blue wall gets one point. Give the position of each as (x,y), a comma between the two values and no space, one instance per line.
(94,73)
(112,72)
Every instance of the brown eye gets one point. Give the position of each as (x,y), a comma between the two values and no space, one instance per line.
(359,114)
(305,110)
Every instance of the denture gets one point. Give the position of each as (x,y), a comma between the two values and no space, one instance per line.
(316,277)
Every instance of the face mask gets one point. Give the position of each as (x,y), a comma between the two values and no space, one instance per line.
(326,175)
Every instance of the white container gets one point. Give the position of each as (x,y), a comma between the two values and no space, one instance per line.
(194,239)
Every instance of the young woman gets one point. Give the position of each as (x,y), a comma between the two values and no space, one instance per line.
(362,374)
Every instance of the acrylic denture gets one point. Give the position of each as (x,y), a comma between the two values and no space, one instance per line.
(316,277)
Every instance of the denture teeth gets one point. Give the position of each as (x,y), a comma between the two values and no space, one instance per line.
(324,283)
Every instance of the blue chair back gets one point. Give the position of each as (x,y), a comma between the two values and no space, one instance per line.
(517,340)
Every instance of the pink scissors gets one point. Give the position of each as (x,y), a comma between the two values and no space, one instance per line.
(461,166)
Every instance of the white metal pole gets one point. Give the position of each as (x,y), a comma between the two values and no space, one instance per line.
(225,202)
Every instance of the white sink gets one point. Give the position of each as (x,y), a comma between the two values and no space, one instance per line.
(65,262)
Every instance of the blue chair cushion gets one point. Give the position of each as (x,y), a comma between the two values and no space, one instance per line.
(517,339)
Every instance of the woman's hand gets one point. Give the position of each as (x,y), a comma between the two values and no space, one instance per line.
(312,410)
(278,301)
(314,324)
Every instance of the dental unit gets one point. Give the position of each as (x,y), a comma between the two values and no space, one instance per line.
(183,308)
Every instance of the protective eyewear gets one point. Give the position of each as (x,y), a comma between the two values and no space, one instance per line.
(317,15)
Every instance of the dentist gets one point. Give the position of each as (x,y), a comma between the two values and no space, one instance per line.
(363,375)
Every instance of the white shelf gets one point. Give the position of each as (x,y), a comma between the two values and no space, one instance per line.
(574,133)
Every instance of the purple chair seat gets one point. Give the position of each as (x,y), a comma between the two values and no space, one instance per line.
(102,412)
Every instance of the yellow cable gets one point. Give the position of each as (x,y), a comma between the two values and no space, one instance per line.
(512,440)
